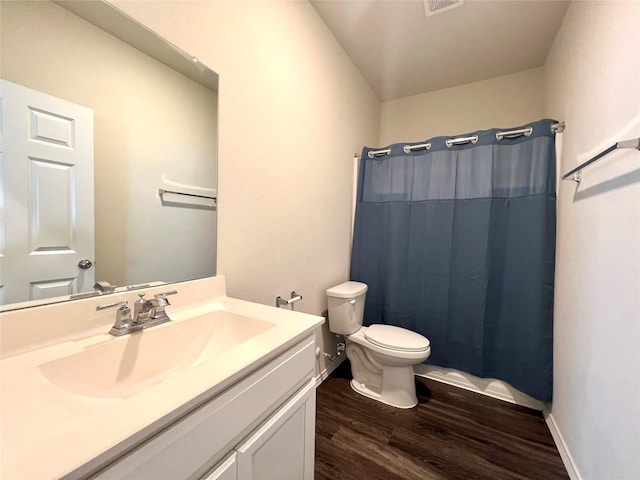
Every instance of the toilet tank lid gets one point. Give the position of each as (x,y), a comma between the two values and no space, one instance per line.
(347,290)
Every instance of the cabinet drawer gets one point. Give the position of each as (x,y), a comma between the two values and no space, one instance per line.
(191,446)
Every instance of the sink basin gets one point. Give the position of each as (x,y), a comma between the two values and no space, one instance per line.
(120,367)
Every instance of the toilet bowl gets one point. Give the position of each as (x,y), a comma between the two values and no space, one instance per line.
(382,356)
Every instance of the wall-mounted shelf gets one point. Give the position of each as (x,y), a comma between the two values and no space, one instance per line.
(576,173)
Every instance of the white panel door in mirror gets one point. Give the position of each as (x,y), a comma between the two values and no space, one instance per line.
(47,186)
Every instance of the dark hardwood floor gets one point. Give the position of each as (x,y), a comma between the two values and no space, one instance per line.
(451,434)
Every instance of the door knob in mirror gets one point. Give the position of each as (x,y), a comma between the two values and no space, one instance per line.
(84,264)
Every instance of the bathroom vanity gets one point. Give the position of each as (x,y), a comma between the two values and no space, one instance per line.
(225,390)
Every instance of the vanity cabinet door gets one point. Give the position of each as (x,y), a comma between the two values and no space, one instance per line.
(225,470)
(284,446)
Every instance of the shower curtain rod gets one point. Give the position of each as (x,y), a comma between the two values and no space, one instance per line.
(555,128)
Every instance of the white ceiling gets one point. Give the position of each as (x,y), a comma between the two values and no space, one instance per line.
(401,52)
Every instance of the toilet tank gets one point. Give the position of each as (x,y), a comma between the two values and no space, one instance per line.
(346,307)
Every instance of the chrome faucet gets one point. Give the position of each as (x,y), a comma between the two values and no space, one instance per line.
(146,313)
(142,309)
(104,287)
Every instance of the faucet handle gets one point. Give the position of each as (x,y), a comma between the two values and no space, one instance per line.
(122,305)
(161,301)
(170,292)
(123,316)
(162,297)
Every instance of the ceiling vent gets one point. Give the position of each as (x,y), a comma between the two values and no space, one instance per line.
(433,7)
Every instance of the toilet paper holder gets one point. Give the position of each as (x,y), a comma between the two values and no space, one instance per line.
(288,301)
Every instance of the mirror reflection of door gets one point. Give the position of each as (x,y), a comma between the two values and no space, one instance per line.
(47,229)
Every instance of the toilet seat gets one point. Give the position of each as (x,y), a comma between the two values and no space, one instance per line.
(396,338)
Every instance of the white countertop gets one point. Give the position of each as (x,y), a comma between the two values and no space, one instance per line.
(48,432)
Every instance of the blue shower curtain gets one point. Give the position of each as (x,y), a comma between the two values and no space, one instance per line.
(458,243)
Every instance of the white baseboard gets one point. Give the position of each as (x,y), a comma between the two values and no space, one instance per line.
(485,386)
(327,371)
(567,459)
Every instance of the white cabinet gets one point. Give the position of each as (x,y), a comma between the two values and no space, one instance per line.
(225,470)
(283,447)
(260,428)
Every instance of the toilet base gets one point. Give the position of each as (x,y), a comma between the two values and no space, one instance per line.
(383,375)
(398,401)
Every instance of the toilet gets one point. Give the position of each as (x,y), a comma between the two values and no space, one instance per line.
(382,356)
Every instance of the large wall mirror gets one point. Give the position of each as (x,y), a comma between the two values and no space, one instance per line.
(99,117)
